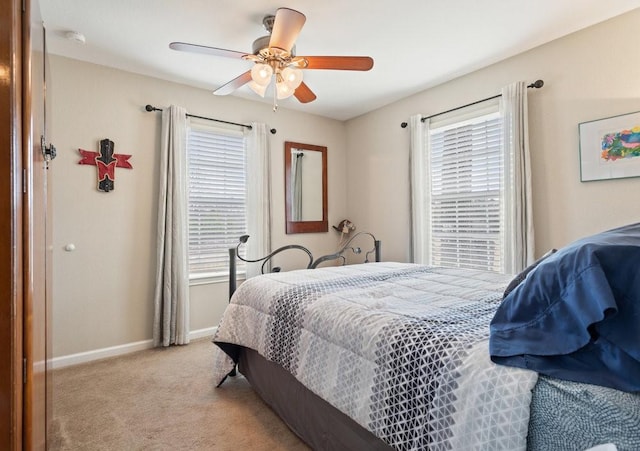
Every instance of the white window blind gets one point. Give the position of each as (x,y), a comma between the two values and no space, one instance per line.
(466,188)
(217,199)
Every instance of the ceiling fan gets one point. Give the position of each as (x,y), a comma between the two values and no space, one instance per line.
(274,57)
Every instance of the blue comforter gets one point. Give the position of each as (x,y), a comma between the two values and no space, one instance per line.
(576,316)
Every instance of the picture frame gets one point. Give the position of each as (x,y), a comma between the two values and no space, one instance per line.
(610,147)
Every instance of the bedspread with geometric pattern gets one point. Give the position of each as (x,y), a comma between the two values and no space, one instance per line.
(400,348)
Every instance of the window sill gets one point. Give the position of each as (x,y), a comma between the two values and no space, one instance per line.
(211,278)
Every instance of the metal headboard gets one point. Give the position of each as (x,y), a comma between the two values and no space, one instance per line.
(341,254)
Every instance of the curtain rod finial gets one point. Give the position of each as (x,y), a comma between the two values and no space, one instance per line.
(536,84)
(404,125)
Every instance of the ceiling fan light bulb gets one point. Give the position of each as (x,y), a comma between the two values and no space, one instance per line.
(283,90)
(261,74)
(292,76)
(257,88)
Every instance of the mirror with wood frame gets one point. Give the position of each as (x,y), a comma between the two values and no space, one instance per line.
(305,187)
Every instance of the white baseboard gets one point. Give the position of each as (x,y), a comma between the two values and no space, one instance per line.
(113,351)
(97,354)
(202,333)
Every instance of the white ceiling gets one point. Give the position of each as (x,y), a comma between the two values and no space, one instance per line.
(415,44)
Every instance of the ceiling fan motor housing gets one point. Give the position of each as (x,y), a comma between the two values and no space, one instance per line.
(262,43)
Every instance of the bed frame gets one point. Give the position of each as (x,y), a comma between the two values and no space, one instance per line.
(340,255)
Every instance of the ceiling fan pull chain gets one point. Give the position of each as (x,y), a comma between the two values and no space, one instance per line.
(275,97)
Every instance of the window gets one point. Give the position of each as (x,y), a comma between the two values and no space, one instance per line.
(466,189)
(217,198)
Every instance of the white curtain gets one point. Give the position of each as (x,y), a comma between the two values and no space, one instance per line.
(420,179)
(171,300)
(518,215)
(258,197)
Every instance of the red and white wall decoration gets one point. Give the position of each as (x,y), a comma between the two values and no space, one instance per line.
(106,161)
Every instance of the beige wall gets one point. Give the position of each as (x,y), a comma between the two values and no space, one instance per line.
(103,291)
(588,75)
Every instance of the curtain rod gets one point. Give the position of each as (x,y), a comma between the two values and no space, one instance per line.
(152,108)
(536,84)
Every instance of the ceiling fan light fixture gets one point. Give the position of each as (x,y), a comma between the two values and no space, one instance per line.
(258,89)
(283,91)
(292,77)
(261,74)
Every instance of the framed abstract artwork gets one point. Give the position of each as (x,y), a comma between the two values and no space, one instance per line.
(610,148)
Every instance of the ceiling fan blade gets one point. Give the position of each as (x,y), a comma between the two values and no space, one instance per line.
(195,48)
(304,94)
(286,28)
(234,84)
(339,62)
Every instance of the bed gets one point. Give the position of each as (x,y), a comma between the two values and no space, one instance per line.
(400,356)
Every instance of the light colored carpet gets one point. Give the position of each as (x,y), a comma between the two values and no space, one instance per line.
(161,399)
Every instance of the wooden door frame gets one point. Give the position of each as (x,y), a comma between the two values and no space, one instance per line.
(11,180)
(36,256)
